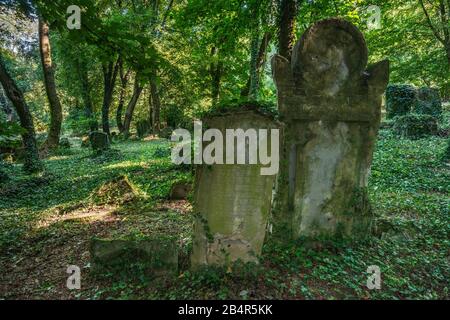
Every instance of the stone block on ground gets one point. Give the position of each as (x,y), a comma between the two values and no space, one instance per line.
(415,126)
(155,256)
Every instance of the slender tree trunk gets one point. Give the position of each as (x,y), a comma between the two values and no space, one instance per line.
(131,105)
(86,95)
(150,109)
(123,89)
(6,106)
(254,74)
(50,86)
(216,75)
(32,162)
(448,55)
(109,80)
(286,27)
(260,61)
(156,105)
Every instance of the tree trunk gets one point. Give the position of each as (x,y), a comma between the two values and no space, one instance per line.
(448,55)
(156,105)
(131,105)
(286,27)
(86,95)
(32,162)
(50,86)
(109,80)
(150,109)
(216,74)
(123,87)
(6,106)
(260,61)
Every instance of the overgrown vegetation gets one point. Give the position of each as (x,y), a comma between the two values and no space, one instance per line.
(77,198)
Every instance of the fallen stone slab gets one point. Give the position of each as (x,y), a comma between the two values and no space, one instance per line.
(155,256)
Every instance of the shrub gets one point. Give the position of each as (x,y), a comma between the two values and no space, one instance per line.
(428,102)
(446,155)
(3,175)
(400,100)
(415,126)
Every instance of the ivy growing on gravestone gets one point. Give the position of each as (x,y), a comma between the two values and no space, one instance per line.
(428,102)
(400,100)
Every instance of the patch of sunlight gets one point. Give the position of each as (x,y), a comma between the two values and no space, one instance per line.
(54,158)
(152,137)
(124,164)
(88,215)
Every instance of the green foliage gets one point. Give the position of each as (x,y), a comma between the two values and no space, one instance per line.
(409,188)
(400,100)
(3,174)
(446,153)
(234,105)
(10,134)
(415,126)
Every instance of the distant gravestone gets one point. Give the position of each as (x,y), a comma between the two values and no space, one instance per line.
(331,106)
(99,141)
(64,143)
(232,202)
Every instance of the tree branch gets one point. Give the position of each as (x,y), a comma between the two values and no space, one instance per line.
(430,24)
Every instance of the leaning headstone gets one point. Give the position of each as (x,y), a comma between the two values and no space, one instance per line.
(331,105)
(232,202)
(99,141)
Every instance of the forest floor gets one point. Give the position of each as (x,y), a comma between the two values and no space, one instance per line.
(47,221)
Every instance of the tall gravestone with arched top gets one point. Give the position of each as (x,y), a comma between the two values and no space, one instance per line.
(330,103)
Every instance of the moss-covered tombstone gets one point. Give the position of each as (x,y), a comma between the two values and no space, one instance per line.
(232,202)
(330,103)
(99,141)
(428,102)
(400,100)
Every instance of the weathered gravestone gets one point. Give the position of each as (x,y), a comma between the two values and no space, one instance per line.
(331,106)
(232,202)
(99,141)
